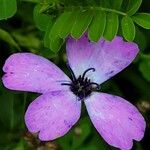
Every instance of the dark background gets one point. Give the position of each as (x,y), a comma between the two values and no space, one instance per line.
(133,84)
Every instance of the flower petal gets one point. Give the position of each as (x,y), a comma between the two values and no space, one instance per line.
(107,57)
(117,120)
(30,72)
(52,114)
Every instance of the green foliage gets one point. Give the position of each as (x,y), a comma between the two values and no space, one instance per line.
(133,6)
(78,140)
(128,28)
(46,36)
(97,26)
(41,20)
(98,19)
(67,17)
(116,4)
(56,43)
(82,21)
(7,8)
(5,36)
(144,66)
(141,39)
(142,19)
(67,26)
(111,28)
(59,25)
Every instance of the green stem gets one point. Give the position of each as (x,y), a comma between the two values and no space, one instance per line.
(95,8)
(82,8)
(110,10)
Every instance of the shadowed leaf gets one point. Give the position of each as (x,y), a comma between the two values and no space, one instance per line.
(5,36)
(142,19)
(144,68)
(128,28)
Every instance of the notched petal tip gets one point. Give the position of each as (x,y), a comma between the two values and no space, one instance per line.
(105,56)
(118,121)
(49,117)
(33,73)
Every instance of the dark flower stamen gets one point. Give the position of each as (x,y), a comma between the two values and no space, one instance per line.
(73,77)
(82,86)
(83,76)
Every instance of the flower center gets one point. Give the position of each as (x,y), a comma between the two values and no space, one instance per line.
(82,86)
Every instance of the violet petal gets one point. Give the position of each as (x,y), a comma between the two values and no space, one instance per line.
(107,57)
(30,72)
(52,114)
(117,120)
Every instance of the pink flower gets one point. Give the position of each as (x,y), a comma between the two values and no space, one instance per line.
(53,113)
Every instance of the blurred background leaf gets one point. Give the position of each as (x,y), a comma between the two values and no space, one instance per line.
(7,8)
(144,66)
(82,132)
(5,36)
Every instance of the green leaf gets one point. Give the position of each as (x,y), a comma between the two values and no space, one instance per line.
(8,119)
(30,41)
(128,28)
(85,129)
(7,109)
(67,26)
(19,146)
(98,142)
(144,68)
(104,3)
(7,8)
(81,24)
(111,28)
(97,26)
(142,19)
(57,27)
(141,39)
(116,4)
(139,146)
(90,147)
(46,36)
(41,20)
(56,43)
(5,36)
(66,140)
(133,6)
